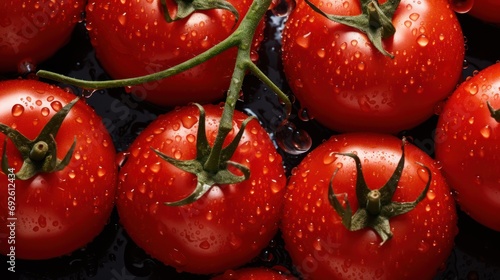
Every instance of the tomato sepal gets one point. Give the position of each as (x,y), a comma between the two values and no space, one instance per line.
(187,7)
(495,113)
(375,206)
(39,155)
(375,21)
(207,176)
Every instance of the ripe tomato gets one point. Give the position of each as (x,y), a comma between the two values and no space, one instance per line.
(253,273)
(486,10)
(53,213)
(226,227)
(133,39)
(348,85)
(321,246)
(466,143)
(32,31)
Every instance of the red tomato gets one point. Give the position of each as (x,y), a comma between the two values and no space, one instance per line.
(321,246)
(466,142)
(486,10)
(32,31)
(253,273)
(53,214)
(347,85)
(226,227)
(134,39)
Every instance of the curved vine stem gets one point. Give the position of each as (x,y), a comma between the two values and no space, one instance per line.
(241,38)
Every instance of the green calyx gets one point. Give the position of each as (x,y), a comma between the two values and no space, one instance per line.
(375,206)
(494,113)
(375,20)
(209,172)
(39,155)
(187,7)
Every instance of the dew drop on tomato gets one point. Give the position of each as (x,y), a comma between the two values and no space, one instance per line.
(422,40)
(45,111)
(461,6)
(235,241)
(303,40)
(17,110)
(42,221)
(486,131)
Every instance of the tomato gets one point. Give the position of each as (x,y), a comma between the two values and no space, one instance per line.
(227,226)
(322,247)
(134,39)
(53,212)
(253,273)
(347,85)
(486,10)
(466,144)
(32,31)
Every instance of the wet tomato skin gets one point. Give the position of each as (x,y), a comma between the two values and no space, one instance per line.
(466,144)
(60,212)
(32,31)
(321,247)
(144,43)
(347,85)
(254,273)
(227,226)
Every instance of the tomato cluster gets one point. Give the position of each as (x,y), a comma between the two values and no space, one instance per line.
(384,168)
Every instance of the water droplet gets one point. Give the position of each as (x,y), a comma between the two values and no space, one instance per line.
(188,121)
(130,195)
(321,52)
(275,187)
(486,131)
(17,110)
(427,208)
(45,111)
(42,221)
(423,247)
(431,195)
(205,245)
(414,16)
(423,174)
(304,115)
(282,8)
(461,6)
(361,66)
(235,241)
(122,19)
(329,158)
(478,180)
(422,40)
(303,40)
(155,168)
(292,140)
(178,257)
(101,171)
(472,88)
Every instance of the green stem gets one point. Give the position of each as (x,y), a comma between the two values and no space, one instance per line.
(244,35)
(39,151)
(229,42)
(494,113)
